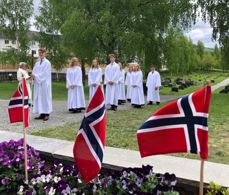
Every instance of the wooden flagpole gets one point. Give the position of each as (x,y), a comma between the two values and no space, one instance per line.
(201,187)
(24,130)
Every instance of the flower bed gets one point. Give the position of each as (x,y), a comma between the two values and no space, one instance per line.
(56,178)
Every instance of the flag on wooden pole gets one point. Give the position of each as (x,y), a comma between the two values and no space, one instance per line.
(16,107)
(89,144)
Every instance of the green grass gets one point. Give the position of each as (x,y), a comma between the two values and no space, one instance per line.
(59,91)
(122,127)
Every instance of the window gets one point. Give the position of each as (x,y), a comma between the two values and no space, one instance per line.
(6,41)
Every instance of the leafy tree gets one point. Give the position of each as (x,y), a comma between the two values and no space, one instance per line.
(200,49)
(14,22)
(217,13)
(49,37)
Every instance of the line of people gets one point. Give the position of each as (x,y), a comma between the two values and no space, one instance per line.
(115,80)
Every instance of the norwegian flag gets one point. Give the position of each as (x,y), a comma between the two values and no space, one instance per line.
(15,108)
(89,144)
(180,126)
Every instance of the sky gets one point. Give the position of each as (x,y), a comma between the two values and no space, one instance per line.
(199,32)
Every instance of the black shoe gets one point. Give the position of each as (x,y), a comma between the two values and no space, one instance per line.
(150,103)
(71,110)
(39,117)
(158,103)
(46,118)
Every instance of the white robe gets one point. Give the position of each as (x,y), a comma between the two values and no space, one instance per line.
(121,86)
(23,73)
(42,103)
(128,84)
(137,94)
(112,72)
(153,80)
(76,97)
(94,77)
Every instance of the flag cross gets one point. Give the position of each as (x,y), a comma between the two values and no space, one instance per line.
(89,121)
(188,118)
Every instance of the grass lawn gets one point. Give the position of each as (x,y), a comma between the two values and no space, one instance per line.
(122,127)
(59,91)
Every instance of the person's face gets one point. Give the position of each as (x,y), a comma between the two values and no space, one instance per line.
(41,54)
(112,59)
(153,69)
(95,63)
(23,66)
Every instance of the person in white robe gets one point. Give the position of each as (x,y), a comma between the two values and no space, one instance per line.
(128,82)
(42,75)
(74,84)
(121,86)
(153,84)
(112,72)
(137,94)
(22,72)
(94,77)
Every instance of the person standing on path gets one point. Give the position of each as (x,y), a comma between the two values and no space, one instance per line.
(112,73)
(42,75)
(153,84)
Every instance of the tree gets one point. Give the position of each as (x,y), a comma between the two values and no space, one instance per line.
(216,12)
(15,22)
(49,37)
(200,49)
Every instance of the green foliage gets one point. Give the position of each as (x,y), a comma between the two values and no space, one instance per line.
(215,189)
(200,49)
(208,62)
(14,22)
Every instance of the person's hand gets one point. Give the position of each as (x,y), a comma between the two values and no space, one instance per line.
(32,76)
(93,85)
(134,86)
(156,88)
(110,82)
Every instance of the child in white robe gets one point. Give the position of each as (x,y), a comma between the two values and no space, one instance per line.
(137,94)
(74,84)
(128,82)
(153,84)
(94,77)
(121,86)
(112,73)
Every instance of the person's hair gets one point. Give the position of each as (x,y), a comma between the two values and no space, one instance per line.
(138,67)
(43,50)
(153,66)
(21,63)
(74,59)
(97,60)
(112,55)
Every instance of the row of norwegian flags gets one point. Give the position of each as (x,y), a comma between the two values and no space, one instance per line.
(180,126)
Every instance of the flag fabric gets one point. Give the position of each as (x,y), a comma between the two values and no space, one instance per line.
(89,144)
(15,108)
(180,126)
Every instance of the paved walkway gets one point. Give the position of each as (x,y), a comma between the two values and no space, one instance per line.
(221,84)
(58,117)
(116,158)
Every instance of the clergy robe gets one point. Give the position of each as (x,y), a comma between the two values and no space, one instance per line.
(121,86)
(112,72)
(153,80)
(94,77)
(76,99)
(23,73)
(42,102)
(128,84)
(137,94)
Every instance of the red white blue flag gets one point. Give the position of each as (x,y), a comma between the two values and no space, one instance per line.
(16,107)
(180,126)
(89,144)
